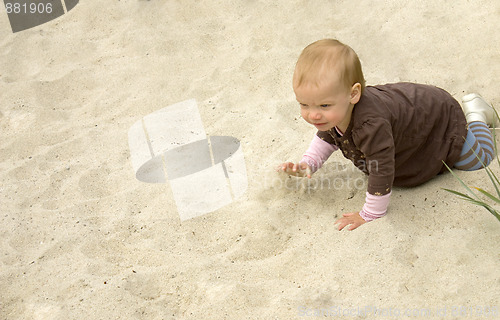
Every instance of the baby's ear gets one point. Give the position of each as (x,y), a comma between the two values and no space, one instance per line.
(355,93)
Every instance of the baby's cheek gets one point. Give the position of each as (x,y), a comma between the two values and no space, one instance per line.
(333,117)
(305,115)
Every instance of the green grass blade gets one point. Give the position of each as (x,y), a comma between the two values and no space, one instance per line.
(461,182)
(460,194)
(491,210)
(476,202)
(466,197)
(489,172)
(473,197)
(489,195)
(495,182)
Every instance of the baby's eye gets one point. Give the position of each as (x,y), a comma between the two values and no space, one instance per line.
(303,105)
(325,105)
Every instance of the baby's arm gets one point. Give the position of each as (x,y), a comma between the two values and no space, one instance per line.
(317,153)
(375,207)
(375,140)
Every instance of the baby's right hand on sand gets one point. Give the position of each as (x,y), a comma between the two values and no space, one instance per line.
(296,169)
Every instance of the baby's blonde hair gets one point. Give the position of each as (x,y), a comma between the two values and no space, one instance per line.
(324,58)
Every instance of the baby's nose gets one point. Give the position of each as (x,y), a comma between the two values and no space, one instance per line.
(316,115)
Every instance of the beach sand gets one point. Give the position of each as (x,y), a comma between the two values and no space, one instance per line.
(82,238)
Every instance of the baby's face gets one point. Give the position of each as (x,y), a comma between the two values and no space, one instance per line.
(325,106)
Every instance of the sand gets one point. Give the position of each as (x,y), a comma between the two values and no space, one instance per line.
(82,238)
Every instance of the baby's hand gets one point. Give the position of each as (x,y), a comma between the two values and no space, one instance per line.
(296,169)
(353,219)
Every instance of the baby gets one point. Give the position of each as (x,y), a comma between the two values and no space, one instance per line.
(398,134)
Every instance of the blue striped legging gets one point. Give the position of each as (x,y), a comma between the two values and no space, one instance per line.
(478,145)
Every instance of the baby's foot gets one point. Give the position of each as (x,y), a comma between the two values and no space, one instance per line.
(476,109)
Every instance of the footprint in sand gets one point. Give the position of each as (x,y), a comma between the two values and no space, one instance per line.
(145,286)
(258,244)
(94,184)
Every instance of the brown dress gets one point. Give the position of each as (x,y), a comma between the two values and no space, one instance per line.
(401,133)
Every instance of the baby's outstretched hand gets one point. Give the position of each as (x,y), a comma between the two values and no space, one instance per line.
(296,169)
(353,219)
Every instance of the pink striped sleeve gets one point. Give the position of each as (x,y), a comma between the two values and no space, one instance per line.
(317,153)
(375,206)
